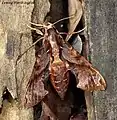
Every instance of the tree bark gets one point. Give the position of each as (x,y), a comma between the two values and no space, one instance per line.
(102,34)
(15,38)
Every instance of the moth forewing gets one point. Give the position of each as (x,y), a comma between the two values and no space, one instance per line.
(35,90)
(88,78)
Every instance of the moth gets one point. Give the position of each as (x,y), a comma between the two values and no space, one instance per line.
(60,59)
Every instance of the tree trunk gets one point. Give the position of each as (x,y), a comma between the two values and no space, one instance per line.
(15,38)
(102,33)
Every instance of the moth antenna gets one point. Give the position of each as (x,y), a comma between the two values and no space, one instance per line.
(38,31)
(31,27)
(79,30)
(42,25)
(38,25)
(69,34)
(74,32)
(29,48)
(64,19)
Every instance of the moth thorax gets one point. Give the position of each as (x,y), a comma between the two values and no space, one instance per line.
(55,52)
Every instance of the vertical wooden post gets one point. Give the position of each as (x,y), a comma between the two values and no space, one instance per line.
(102,30)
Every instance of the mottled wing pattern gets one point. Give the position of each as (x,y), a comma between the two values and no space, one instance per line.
(88,78)
(59,75)
(35,91)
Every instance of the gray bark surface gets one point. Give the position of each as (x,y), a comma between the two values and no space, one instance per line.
(102,33)
(15,38)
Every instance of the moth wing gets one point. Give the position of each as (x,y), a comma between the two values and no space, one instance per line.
(72,56)
(35,91)
(88,78)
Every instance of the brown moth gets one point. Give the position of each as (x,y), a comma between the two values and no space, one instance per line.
(60,58)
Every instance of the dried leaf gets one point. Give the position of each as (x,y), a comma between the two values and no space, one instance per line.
(76,9)
(35,91)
